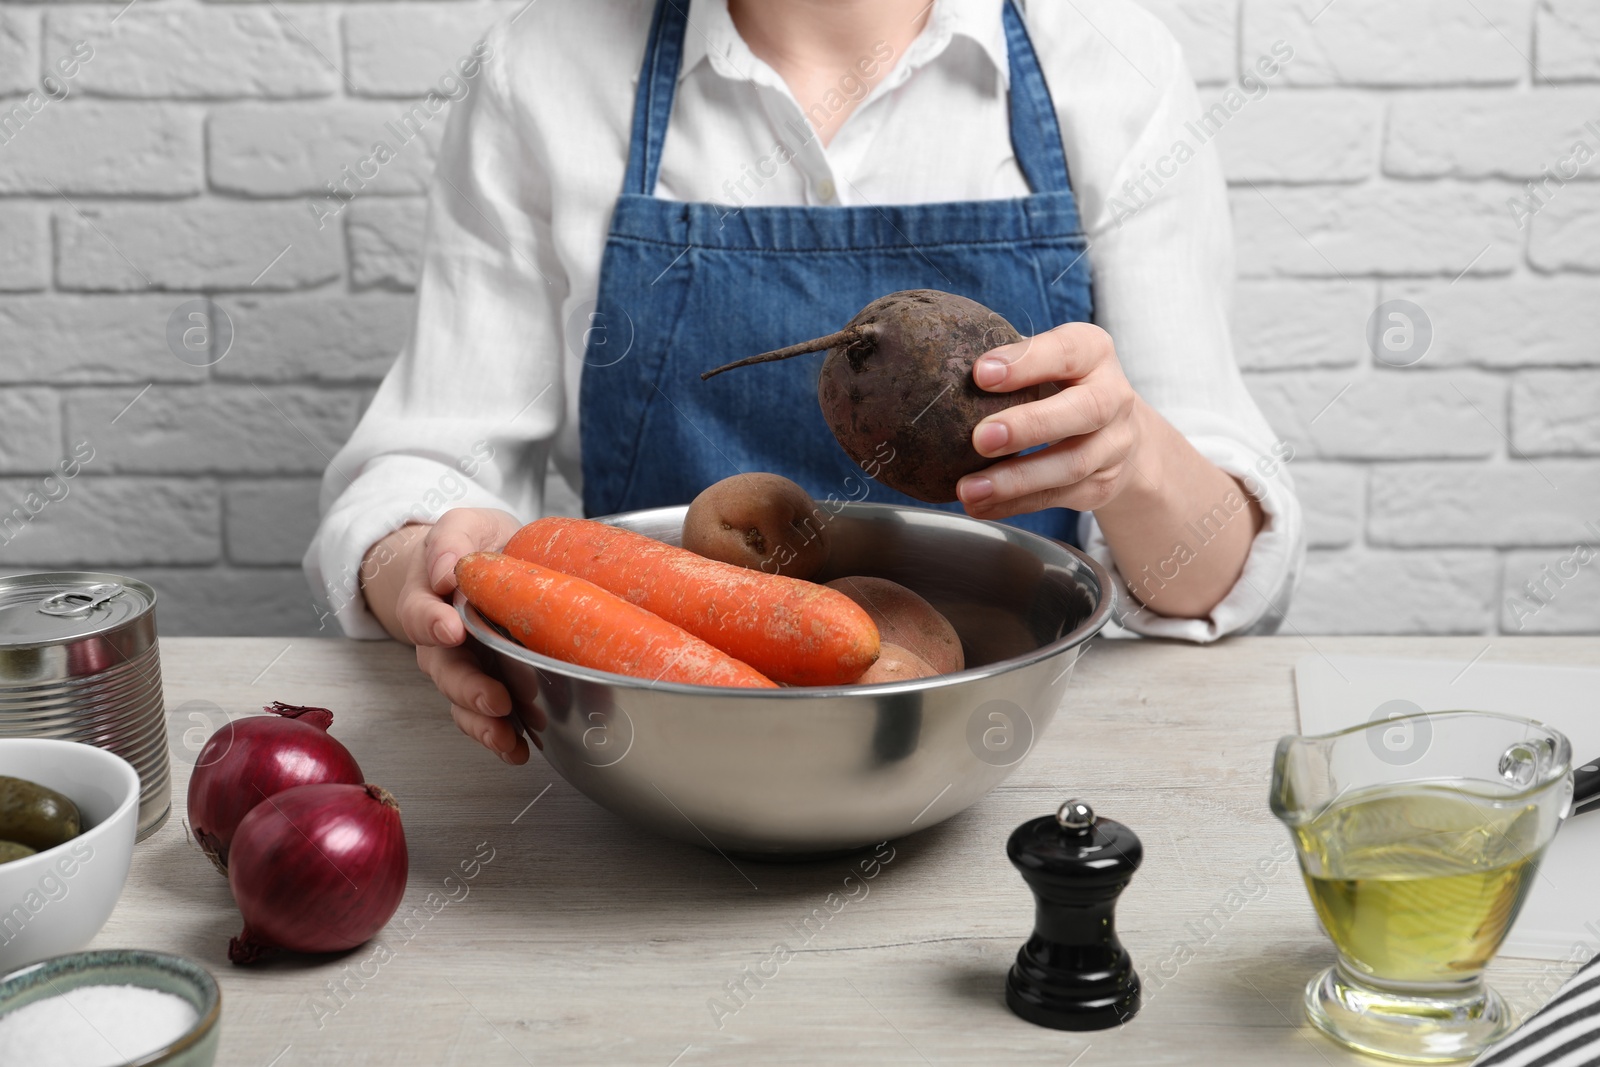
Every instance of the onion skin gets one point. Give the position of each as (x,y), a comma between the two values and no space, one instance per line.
(317,868)
(257,757)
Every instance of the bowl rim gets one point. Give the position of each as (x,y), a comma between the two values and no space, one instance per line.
(201,978)
(41,860)
(479,628)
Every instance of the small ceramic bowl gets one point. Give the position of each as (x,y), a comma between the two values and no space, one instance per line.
(177,975)
(56,901)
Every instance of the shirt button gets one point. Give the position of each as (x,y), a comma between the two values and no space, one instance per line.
(826,191)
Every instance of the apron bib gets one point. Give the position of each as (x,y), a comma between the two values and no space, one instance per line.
(701,287)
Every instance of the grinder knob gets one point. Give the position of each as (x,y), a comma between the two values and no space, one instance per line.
(1073,973)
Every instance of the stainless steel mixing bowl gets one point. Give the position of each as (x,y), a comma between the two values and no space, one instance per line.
(816,770)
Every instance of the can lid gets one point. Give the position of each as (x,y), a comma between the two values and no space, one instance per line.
(39,609)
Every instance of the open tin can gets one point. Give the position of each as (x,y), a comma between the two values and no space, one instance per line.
(79,662)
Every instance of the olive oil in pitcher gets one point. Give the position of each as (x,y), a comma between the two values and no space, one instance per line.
(1417,859)
(1421,884)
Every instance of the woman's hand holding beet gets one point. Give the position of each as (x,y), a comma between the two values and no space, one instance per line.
(409,578)
(1111,453)
(1095,426)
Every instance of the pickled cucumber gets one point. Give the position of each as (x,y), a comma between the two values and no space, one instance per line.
(32,815)
(10,850)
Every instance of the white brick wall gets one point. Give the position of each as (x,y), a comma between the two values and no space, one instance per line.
(1377,166)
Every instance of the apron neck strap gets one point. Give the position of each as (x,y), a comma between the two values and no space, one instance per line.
(1035,131)
(652,103)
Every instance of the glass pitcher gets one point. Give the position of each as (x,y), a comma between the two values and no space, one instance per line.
(1419,837)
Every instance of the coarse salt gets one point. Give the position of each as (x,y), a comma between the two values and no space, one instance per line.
(94,1026)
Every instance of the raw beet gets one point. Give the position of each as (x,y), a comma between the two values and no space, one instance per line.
(900,374)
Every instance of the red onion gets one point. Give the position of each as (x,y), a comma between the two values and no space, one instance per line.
(254,758)
(317,868)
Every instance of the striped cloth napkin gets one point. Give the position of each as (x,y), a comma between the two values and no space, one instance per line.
(1563,1033)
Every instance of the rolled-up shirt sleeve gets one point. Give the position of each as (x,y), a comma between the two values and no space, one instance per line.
(466,416)
(1161,245)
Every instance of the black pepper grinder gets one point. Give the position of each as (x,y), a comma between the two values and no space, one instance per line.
(1073,973)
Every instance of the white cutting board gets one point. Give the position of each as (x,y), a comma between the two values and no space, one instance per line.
(1563,909)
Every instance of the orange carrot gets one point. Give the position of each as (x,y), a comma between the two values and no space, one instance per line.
(791,631)
(576,621)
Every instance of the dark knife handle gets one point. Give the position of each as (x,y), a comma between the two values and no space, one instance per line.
(1586,787)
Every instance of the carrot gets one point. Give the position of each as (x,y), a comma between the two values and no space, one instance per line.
(576,621)
(790,630)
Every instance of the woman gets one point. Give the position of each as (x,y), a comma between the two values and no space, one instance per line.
(597,241)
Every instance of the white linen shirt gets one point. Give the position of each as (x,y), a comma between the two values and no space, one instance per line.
(485,393)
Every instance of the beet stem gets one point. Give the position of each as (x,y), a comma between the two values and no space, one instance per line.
(848,335)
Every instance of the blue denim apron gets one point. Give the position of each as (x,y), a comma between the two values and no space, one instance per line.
(698,285)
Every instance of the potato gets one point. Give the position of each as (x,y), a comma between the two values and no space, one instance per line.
(906,620)
(896,664)
(762,522)
(990,634)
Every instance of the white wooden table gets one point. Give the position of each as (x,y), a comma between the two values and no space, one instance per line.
(585,941)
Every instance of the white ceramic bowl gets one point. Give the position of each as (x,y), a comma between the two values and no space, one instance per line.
(56,901)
